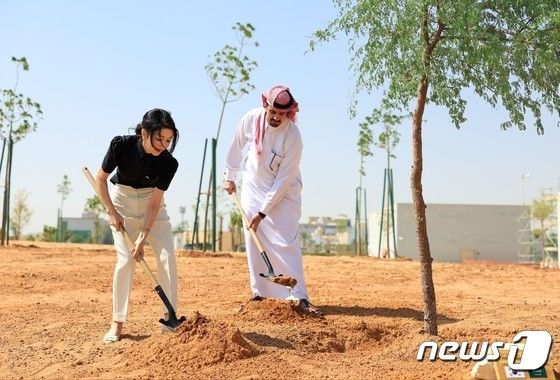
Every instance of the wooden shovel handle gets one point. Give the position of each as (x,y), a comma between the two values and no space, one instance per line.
(246,220)
(123,231)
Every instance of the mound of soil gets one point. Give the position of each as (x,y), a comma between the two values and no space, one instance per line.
(316,340)
(325,337)
(362,337)
(24,246)
(199,342)
(275,311)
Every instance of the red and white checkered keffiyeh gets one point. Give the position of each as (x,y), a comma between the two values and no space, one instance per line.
(279,98)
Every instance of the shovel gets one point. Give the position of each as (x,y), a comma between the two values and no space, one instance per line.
(172,321)
(280,279)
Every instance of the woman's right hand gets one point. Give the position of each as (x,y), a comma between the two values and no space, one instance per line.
(116,220)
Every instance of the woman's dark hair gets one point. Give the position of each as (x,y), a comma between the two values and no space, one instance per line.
(154,121)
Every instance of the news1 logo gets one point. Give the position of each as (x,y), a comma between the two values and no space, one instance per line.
(535,350)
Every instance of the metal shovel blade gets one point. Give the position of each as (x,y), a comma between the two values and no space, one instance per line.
(280,279)
(172,322)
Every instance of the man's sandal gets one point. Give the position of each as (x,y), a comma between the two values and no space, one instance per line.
(307,307)
(110,338)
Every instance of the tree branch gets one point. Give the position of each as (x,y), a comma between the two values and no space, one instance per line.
(438,34)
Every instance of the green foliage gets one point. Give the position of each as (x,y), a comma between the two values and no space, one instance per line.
(389,138)
(542,209)
(230,71)
(365,140)
(235,220)
(236,228)
(49,233)
(64,188)
(18,117)
(18,113)
(507,52)
(537,233)
(21,61)
(94,206)
(74,237)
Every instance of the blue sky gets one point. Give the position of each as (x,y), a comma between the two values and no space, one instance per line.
(97,66)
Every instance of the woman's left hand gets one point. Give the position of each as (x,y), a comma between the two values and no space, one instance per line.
(137,252)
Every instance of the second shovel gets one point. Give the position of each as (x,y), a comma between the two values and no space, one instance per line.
(280,279)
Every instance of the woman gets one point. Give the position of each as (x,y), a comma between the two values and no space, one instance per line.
(145,168)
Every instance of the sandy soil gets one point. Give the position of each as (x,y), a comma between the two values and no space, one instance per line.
(55,305)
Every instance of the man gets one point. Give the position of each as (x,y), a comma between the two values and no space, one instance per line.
(271,194)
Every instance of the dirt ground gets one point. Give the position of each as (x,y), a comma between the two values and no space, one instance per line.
(55,306)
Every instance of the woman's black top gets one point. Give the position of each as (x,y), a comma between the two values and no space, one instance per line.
(135,167)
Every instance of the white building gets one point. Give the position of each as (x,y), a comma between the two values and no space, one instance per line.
(455,232)
(83,228)
(323,234)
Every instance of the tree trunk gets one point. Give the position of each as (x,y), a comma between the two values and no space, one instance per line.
(428,291)
(542,241)
(5,234)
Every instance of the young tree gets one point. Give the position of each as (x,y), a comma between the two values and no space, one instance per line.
(18,117)
(389,137)
(21,214)
(64,190)
(95,208)
(230,71)
(388,140)
(230,74)
(236,228)
(365,140)
(541,210)
(430,51)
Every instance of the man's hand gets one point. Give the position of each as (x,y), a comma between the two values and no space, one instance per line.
(230,187)
(254,223)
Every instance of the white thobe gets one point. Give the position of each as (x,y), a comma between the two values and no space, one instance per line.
(271,184)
